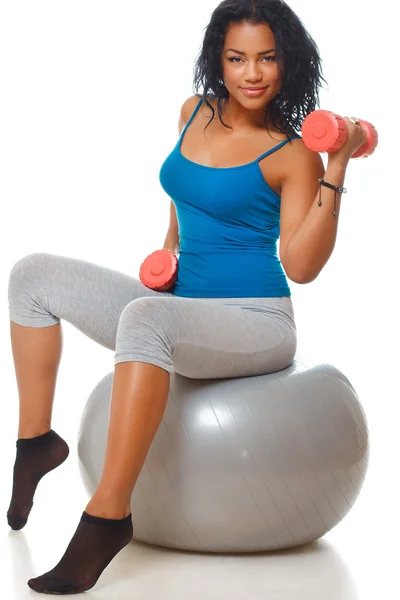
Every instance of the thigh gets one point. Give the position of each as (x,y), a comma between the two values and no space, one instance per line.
(212,337)
(45,288)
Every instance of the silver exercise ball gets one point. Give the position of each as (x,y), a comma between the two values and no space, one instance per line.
(242,464)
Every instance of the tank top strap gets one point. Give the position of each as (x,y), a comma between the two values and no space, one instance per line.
(191,118)
(277,147)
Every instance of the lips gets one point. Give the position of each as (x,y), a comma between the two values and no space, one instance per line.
(253,92)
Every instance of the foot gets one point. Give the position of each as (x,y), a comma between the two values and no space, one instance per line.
(35,457)
(94,544)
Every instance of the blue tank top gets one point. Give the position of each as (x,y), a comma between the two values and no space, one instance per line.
(229,223)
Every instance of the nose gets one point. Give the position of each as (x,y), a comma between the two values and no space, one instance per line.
(253,74)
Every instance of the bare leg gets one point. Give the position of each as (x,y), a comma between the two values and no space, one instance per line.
(36,353)
(140,392)
(139,396)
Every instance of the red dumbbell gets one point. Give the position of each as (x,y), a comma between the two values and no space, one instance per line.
(325,131)
(159,270)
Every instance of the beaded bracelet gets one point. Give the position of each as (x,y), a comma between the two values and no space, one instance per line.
(341,190)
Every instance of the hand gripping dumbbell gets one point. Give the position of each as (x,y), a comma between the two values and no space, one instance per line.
(159,270)
(325,131)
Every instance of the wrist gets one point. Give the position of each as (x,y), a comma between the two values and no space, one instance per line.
(338,161)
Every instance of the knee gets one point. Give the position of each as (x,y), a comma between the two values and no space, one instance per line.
(26,269)
(26,263)
(149,312)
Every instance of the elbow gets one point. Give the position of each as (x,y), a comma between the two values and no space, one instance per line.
(301,277)
(297,279)
(298,273)
(304,279)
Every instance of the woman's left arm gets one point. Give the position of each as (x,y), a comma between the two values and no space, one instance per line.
(308,231)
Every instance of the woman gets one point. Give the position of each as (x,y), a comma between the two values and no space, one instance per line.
(230,313)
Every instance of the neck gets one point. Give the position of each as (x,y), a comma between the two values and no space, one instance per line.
(243,120)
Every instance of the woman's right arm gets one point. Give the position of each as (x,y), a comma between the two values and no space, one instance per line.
(172,237)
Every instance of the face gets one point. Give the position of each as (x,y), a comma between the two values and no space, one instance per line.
(250,69)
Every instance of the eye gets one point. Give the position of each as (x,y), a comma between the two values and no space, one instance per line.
(269,58)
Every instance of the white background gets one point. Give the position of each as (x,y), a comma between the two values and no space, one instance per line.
(89,106)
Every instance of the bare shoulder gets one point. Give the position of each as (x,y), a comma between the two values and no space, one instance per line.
(298,157)
(187,108)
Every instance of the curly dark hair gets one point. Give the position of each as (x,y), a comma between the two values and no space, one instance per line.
(297,55)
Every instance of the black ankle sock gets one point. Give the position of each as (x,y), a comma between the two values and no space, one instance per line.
(35,457)
(93,546)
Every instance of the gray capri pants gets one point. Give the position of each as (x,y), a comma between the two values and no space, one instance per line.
(196,337)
